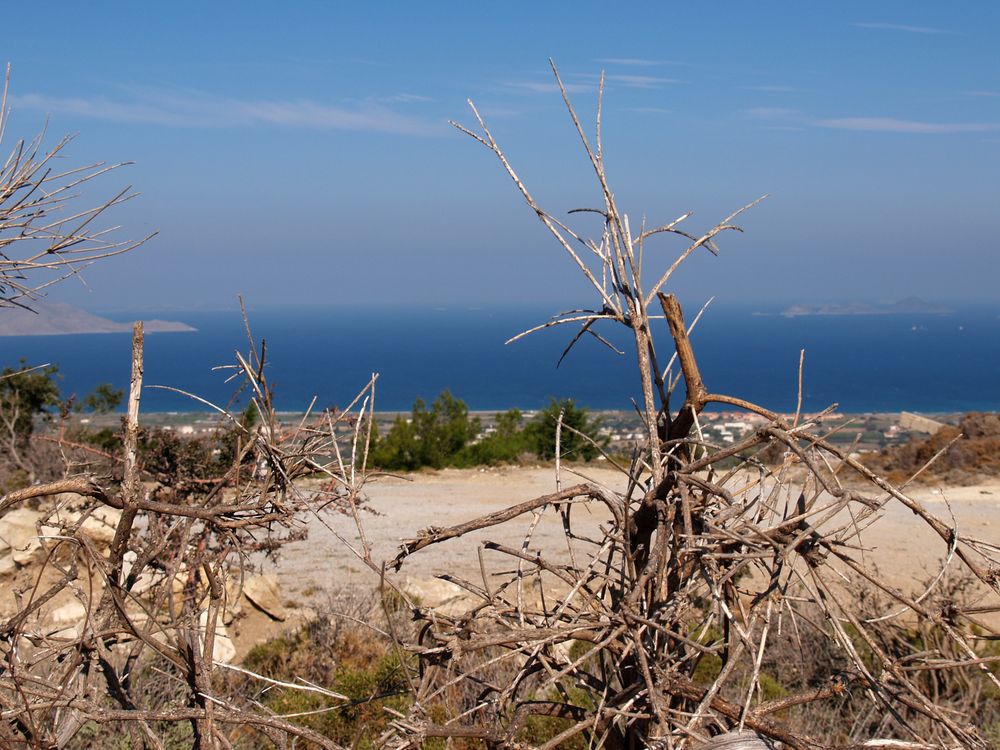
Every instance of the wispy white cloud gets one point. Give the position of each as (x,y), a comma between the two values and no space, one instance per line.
(640,82)
(790,118)
(195,109)
(771,89)
(648,110)
(770,113)
(983,94)
(538,87)
(902,27)
(637,62)
(404,98)
(893,125)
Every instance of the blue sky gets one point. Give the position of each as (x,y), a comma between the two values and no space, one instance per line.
(298,153)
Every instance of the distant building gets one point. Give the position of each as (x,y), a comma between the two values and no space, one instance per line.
(916,423)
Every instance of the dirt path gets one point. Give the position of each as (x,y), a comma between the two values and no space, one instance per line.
(902,547)
(405,506)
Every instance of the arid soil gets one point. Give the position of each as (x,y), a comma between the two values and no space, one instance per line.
(904,549)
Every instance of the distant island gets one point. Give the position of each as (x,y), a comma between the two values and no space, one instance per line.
(908,305)
(58,318)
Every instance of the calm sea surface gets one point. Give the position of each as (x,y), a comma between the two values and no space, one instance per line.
(864,363)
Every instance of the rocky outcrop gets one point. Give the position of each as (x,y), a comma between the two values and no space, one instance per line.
(19,540)
(35,544)
(262,592)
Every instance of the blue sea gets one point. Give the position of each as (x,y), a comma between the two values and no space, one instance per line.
(929,363)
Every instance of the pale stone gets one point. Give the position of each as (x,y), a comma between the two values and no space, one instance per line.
(128,560)
(223,649)
(262,592)
(7,565)
(434,593)
(99,527)
(180,580)
(18,532)
(69,613)
(232,606)
(145,582)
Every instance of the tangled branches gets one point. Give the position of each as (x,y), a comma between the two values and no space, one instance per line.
(654,632)
(44,236)
(155,594)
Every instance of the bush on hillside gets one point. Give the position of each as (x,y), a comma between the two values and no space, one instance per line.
(973,452)
(445,435)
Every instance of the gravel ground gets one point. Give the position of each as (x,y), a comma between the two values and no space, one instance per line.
(904,549)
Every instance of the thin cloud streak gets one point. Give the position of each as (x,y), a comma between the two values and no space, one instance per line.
(536,87)
(637,62)
(202,110)
(770,113)
(892,125)
(405,98)
(771,89)
(640,82)
(790,117)
(902,27)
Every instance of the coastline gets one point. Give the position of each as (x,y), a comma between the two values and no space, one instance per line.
(58,319)
(863,363)
(149,326)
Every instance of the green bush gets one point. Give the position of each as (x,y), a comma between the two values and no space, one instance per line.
(505,444)
(432,437)
(445,435)
(28,396)
(580,438)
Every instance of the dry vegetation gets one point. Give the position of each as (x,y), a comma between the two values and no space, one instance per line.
(961,454)
(44,236)
(720,596)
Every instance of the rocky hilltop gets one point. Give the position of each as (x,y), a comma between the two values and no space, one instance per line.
(55,318)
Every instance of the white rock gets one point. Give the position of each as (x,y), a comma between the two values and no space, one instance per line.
(99,527)
(433,592)
(7,565)
(69,613)
(146,581)
(223,650)
(128,560)
(19,533)
(262,592)
(232,607)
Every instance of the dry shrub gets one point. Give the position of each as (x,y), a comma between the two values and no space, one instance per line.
(962,454)
(150,600)
(673,622)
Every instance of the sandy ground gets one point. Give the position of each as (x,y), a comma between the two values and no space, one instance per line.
(404,506)
(900,545)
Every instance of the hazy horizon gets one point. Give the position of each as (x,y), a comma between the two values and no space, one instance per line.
(541,306)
